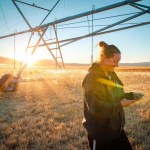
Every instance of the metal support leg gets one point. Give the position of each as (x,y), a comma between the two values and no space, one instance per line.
(58,45)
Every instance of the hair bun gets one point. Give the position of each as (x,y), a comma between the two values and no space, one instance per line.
(103,44)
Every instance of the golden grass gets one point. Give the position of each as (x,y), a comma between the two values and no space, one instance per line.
(47,110)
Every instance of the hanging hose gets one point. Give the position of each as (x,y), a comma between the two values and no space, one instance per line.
(8,82)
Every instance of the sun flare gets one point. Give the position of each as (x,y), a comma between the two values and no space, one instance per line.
(29,59)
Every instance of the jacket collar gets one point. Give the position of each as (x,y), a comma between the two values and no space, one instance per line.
(96,69)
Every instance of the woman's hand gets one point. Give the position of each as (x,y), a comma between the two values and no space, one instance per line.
(136,96)
(125,102)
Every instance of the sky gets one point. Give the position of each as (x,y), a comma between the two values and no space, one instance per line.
(134,43)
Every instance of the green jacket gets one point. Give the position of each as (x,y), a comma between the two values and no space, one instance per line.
(103,113)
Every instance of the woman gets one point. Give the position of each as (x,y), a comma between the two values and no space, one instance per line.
(104,99)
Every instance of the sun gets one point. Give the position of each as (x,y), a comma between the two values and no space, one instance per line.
(27,58)
(30,59)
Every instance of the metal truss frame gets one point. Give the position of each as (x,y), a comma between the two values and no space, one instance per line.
(41,32)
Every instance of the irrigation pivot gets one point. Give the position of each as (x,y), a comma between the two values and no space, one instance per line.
(9,82)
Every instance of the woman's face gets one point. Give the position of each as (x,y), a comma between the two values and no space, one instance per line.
(112,62)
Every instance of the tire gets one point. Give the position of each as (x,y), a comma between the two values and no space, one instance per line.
(7,83)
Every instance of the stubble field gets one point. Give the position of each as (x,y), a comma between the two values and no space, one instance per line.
(47,110)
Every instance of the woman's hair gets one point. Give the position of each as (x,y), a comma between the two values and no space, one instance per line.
(108,50)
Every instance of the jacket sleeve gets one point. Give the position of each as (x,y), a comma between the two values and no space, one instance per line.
(96,99)
(129,95)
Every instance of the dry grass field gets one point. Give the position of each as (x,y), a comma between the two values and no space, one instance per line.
(47,110)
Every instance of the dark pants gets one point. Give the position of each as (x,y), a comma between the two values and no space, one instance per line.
(120,143)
